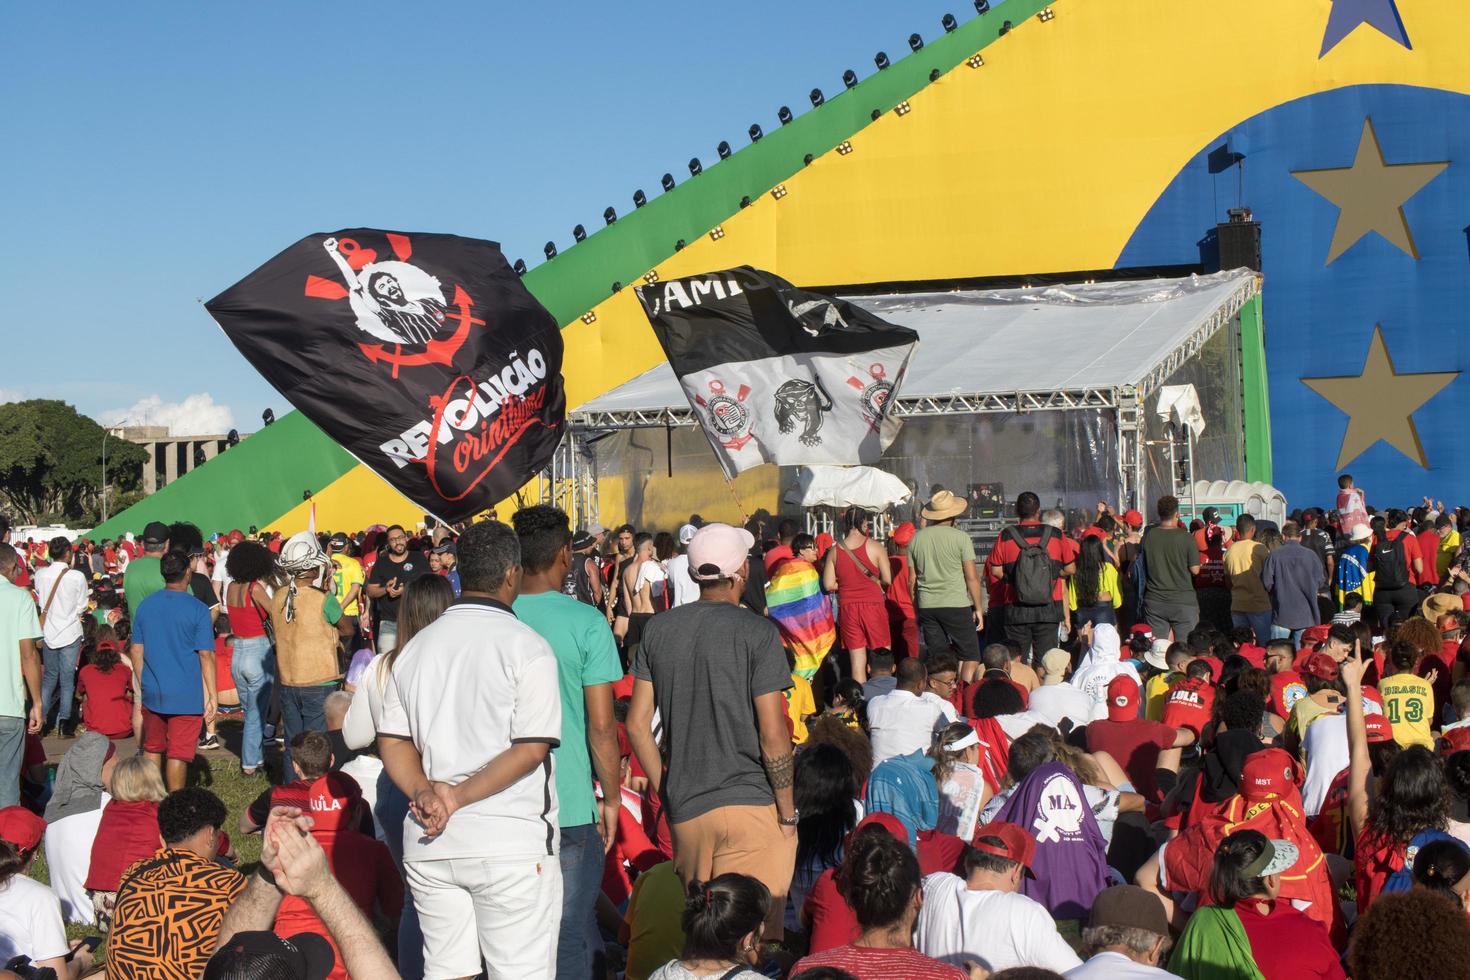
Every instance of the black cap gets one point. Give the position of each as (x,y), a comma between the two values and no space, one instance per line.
(1211,515)
(446,548)
(339,540)
(582,540)
(155,533)
(266,956)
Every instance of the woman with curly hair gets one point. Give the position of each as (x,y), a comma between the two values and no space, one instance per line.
(253,570)
(1413,936)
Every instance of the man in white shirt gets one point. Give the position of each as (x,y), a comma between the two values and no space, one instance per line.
(1054,699)
(471,713)
(62,592)
(1127,934)
(685,589)
(903,721)
(983,918)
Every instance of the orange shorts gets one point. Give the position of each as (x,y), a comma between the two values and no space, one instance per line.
(745,840)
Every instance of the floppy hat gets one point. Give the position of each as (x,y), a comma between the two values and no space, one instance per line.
(1360,532)
(1440,603)
(944,505)
(1157,656)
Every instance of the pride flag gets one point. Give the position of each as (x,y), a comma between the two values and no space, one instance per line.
(800,610)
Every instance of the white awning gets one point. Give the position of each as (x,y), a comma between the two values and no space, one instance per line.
(1052,347)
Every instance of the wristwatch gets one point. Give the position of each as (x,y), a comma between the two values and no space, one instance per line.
(790,821)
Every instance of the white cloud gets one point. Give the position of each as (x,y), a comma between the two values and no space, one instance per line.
(196,415)
(11,395)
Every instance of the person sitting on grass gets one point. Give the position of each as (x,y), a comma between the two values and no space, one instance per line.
(127,834)
(30,913)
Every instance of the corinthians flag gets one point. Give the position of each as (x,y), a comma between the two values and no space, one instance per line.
(779,375)
(422,355)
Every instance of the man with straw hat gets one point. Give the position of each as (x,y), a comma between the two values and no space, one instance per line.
(304,615)
(945,585)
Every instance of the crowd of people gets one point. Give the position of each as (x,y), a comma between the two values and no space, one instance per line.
(1107,747)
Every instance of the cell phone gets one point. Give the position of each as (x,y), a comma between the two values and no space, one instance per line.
(90,942)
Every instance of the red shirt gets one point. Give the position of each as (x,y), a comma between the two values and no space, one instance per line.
(833,923)
(1060,548)
(1191,704)
(365,869)
(1428,544)
(1287,688)
(938,851)
(774,557)
(1254,655)
(1287,945)
(295,793)
(127,834)
(900,602)
(224,655)
(107,708)
(869,963)
(1135,744)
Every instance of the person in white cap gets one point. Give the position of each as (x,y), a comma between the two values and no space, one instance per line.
(716,672)
(685,589)
(304,616)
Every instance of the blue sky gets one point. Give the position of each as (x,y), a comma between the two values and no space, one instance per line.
(158,152)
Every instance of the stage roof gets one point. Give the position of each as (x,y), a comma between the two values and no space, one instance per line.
(1054,347)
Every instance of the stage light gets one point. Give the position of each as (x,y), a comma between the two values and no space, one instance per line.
(779,191)
(716,233)
(651,276)
(1005,28)
(755,132)
(875,114)
(916,42)
(305,495)
(579,234)
(233,439)
(639,198)
(817,97)
(199,457)
(267,417)
(975,61)
(617,286)
(982,6)
(949,24)
(902,108)
(520,267)
(934,75)
(881,60)
(745,202)
(695,167)
(784,114)
(807,160)
(679,245)
(844,148)
(1046,14)
(589,318)
(550,251)
(849,78)
(668,182)
(723,149)
(610,215)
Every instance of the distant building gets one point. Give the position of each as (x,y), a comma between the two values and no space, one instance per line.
(169,456)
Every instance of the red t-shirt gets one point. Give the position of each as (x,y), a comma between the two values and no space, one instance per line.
(1287,688)
(870,963)
(1287,945)
(1191,704)
(1135,744)
(774,557)
(128,833)
(107,708)
(900,602)
(224,655)
(1428,545)
(296,793)
(365,869)
(1411,551)
(1060,548)
(1254,655)
(833,923)
(938,851)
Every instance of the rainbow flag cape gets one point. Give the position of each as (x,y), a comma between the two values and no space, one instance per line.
(800,610)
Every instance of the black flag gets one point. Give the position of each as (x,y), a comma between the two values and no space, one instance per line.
(422,355)
(777,374)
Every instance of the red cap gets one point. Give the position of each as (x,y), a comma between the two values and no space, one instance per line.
(1379,729)
(1133,519)
(887,821)
(1267,775)
(1313,635)
(22,828)
(904,533)
(1320,665)
(1454,740)
(333,801)
(1016,843)
(1142,629)
(1122,698)
(236,537)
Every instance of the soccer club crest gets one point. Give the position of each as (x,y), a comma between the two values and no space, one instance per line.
(727,415)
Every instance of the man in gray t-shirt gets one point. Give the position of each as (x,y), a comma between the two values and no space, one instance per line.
(717,674)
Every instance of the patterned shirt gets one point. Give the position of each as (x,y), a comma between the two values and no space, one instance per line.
(168,916)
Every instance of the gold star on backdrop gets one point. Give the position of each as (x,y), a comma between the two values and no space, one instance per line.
(1380,403)
(1371,194)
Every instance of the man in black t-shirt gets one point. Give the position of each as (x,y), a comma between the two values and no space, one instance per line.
(394,569)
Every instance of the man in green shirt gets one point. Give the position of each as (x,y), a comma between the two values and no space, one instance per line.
(587,665)
(944,584)
(143,577)
(20,673)
(1170,560)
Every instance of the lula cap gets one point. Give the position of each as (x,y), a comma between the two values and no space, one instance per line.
(718,551)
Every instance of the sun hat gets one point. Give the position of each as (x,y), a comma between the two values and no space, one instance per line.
(944,505)
(1158,655)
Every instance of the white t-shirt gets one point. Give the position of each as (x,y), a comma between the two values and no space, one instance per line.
(465,688)
(30,921)
(650,573)
(900,723)
(64,618)
(220,575)
(686,590)
(1057,701)
(946,710)
(1093,679)
(1326,749)
(1116,966)
(996,929)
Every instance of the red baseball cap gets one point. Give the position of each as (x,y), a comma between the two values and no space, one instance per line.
(333,800)
(21,828)
(1144,630)
(1454,740)
(1122,698)
(887,821)
(1320,665)
(1268,775)
(1016,844)
(1379,729)
(904,533)
(1133,519)
(1313,635)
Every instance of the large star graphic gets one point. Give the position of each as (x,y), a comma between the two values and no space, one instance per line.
(1380,403)
(1371,195)
(1348,15)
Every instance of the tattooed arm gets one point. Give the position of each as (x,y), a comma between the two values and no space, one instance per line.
(770,713)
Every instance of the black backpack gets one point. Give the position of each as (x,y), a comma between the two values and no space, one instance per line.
(1034,573)
(1387,560)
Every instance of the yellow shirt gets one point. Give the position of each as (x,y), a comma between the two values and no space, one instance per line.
(1409,703)
(1449,546)
(1156,693)
(1243,563)
(800,705)
(1107,582)
(346,572)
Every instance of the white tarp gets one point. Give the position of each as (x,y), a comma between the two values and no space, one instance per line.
(1179,405)
(972,342)
(847,486)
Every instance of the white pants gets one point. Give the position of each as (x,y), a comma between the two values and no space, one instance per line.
(502,910)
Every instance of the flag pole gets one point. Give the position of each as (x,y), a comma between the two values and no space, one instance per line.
(730,485)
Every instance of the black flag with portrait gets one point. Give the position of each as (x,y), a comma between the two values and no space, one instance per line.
(422,355)
(777,374)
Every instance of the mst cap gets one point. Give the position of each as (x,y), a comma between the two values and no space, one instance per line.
(1129,907)
(1268,774)
(718,551)
(1016,844)
(267,956)
(155,533)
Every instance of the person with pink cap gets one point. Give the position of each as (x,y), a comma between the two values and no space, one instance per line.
(716,673)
